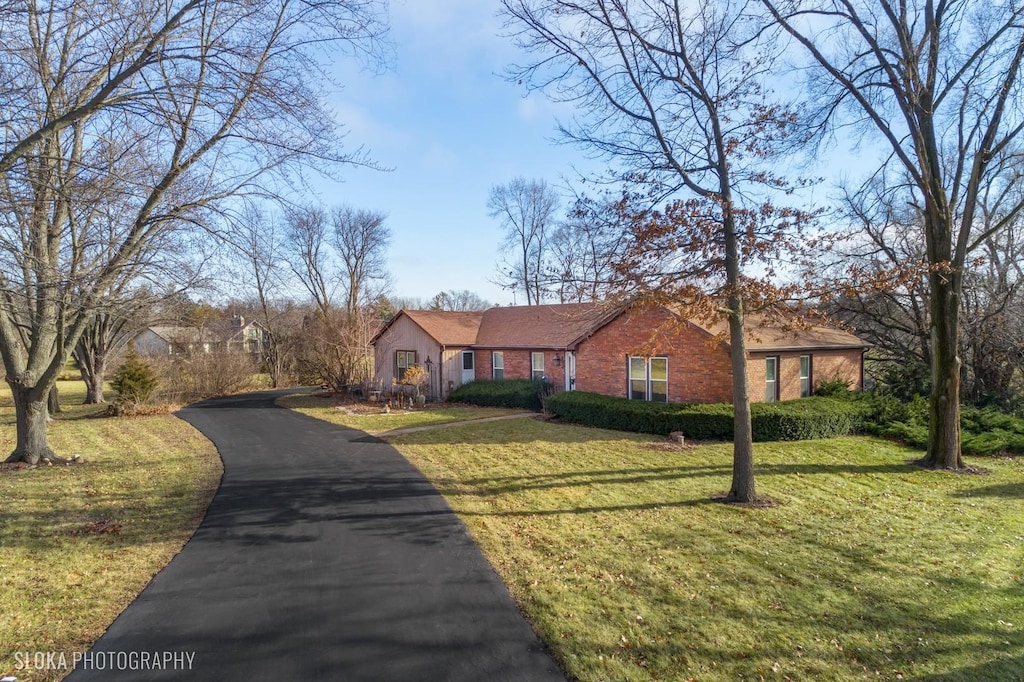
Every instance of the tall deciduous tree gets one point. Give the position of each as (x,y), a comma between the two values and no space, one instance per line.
(938,85)
(673,93)
(361,239)
(526,210)
(584,248)
(171,106)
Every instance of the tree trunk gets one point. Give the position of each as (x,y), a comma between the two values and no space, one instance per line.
(30,415)
(93,378)
(53,400)
(743,489)
(944,406)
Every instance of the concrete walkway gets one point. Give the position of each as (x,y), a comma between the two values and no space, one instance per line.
(325,555)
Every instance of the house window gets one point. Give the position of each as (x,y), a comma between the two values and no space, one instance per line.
(805,376)
(537,365)
(648,379)
(771,379)
(498,365)
(404,359)
(658,389)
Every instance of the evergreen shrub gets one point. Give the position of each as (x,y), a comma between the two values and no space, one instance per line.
(791,420)
(514,393)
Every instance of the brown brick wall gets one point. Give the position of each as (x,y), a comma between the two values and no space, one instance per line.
(518,365)
(825,365)
(698,369)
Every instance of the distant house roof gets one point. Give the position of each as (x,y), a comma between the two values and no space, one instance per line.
(540,326)
(175,334)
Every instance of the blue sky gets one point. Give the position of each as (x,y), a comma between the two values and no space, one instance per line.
(443,117)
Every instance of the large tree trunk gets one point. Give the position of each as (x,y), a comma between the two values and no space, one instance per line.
(742,489)
(91,354)
(30,415)
(944,406)
(53,400)
(93,377)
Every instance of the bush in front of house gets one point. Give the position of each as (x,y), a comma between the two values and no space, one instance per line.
(805,419)
(704,422)
(514,393)
(791,420)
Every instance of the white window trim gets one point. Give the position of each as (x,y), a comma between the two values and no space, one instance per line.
(809,377)
(533,364)
(774,382)
(648,393)
(494,364)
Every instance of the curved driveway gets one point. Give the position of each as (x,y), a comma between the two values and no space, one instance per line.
(325,555)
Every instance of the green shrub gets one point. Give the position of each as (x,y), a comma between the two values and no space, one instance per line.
(791,420)
(833,388)
(805,419)
(135,382)
(705,422)
(984,430)
(515,393)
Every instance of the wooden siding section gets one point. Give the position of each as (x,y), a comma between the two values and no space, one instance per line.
(406,335)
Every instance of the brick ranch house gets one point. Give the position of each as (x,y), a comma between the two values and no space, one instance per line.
(628,352)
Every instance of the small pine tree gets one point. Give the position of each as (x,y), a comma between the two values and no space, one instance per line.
(135,381)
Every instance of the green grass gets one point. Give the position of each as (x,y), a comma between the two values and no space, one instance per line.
(374,421)
(869,569)
(78,543)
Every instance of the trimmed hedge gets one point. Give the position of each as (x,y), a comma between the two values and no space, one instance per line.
(515,393)
(802,419)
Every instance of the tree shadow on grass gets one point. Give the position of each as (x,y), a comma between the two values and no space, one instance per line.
(1008,490)
(512,484)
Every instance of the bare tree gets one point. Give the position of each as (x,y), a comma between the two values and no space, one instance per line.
(260,243)
(341,250)
(361,239)
(462,300)
(584,248)
(310,255)
(172,106)
(939,85)
(526,209)
(674,95)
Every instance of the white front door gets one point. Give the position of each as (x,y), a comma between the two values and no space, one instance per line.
(468,368)
(570,371)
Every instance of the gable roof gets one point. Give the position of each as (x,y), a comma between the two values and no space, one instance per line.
(448,328)
(563,326)
(763,336)
(540,326)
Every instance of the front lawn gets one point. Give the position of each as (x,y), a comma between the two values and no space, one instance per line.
(869,569)
(370,417)
(78,543)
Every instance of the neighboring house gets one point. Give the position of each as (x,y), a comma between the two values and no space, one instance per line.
(637,353)
(232,336)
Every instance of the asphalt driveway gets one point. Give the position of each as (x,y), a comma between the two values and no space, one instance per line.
(325,555)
